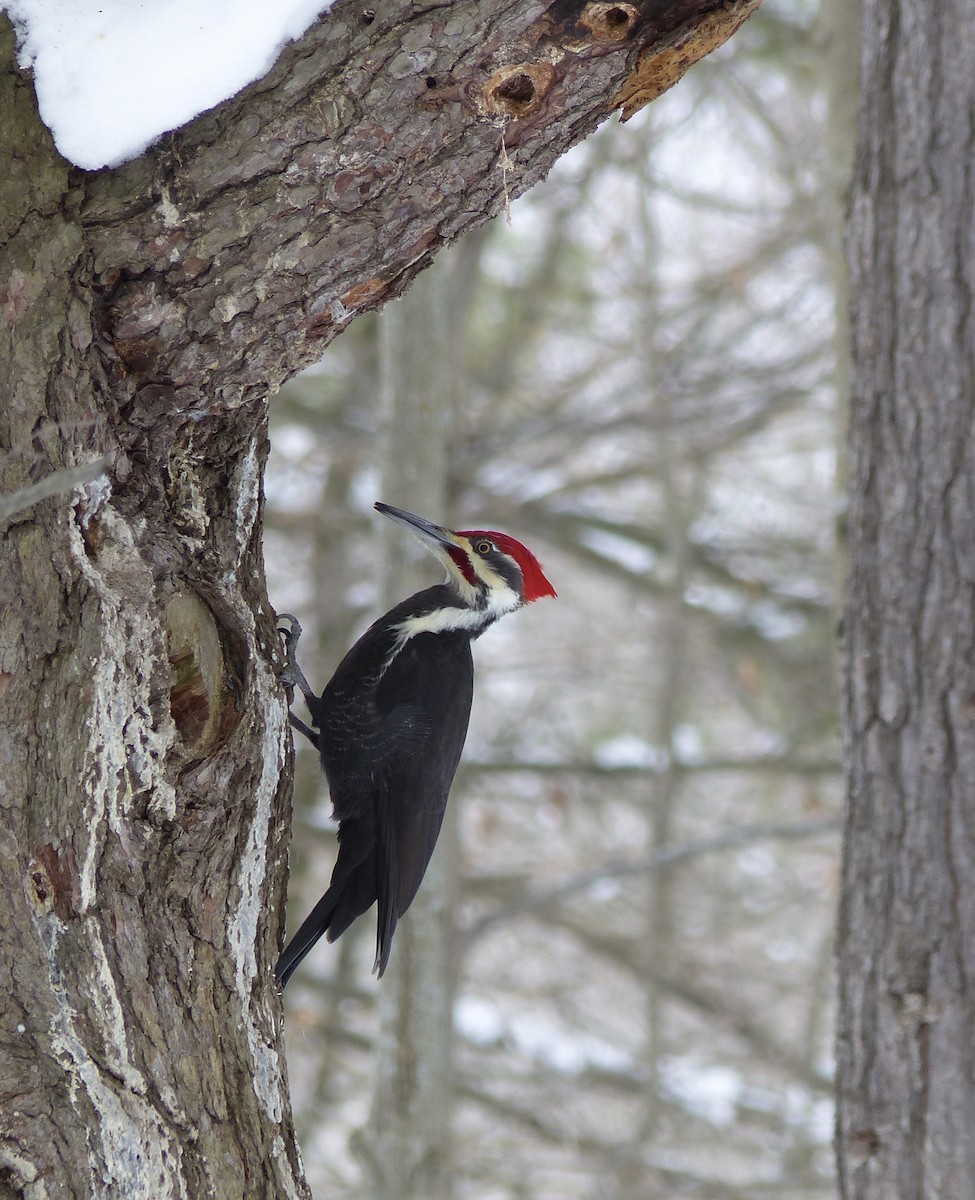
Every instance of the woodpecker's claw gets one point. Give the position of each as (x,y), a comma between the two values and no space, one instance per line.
(291,635)
(292,676)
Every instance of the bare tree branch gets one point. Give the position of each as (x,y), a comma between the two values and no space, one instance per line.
(662,860)
(776,765)
(55,484)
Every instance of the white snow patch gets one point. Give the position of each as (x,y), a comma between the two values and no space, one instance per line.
(781,950)
(361,595)
(757,861)
(113,75)
(293,443)
(565,1051)
(628,750)
(478,1020)
(688,744)
(604,890)
(632,555)
(364,489)
(707,1090)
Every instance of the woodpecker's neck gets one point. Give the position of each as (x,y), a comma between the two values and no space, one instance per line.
(447,609)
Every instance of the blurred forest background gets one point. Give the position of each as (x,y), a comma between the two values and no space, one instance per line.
(642,376)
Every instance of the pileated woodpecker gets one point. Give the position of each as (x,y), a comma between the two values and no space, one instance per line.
(391,724)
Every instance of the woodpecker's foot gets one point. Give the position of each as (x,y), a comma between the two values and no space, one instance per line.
(292,676)
(310,734)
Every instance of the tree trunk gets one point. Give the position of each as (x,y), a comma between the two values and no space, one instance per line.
(405,1147)
(906,1054)
(147,313)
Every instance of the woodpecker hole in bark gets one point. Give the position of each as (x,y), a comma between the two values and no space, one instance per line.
(519,90)
(51,883)
(139,356)
(516,90)
(43,888)
(608,22)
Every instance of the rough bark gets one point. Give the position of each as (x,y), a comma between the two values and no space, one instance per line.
(906,1055)
(147,313)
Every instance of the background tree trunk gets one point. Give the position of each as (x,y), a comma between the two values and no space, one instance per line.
(404,1146)
(906,1056)
(147,313)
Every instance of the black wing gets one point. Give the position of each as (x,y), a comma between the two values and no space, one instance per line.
(391,738)
(424,700)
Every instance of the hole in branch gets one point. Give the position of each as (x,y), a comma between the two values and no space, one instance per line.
(517,90)
(608,22)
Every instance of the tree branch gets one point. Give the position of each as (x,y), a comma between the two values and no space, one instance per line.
(57,482)
(662,860)
(269,223)
(778,765)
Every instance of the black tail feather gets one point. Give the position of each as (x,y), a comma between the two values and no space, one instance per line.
(314,925)
(351,893)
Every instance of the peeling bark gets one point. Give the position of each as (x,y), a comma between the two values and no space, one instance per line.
(146,313)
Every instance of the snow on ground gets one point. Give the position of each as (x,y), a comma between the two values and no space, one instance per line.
(112,75)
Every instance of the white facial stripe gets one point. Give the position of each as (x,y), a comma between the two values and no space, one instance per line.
(466,589)
(501,597)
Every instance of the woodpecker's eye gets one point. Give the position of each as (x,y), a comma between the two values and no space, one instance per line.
(484,546)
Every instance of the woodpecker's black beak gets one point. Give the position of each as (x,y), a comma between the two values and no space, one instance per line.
(428,533)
